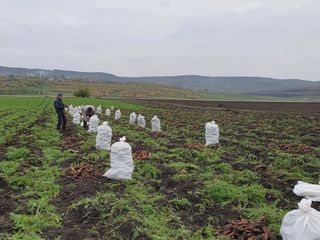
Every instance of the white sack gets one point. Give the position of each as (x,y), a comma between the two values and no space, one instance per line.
(133,118)
(71,110)
(155,123)
(141,121)
(108,112)
(99,110)
(103,139)
(76,118)
(301,224)
(112,108)
(121,161)
(117,115)
(212,133)
(93,123)
(307,190)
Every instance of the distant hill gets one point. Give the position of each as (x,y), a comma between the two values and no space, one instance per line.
(247,85)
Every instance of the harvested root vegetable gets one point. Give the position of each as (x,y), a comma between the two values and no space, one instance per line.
(247,229)
(142,155)
(80,171)
(291,148)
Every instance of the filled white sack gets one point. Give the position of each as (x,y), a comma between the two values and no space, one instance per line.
(121,161)
(103,139)
(301,224)
(71,110)
(141,121)
(212,133)
(117,115)
(93,123)
(155,124)
(108,112)
(307,190)
(76,118)
(112,108)
(99,110)
(133,118)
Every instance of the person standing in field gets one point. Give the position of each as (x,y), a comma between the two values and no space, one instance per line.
(59,106)
(89,111)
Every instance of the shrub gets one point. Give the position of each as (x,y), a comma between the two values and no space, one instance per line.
(82,92)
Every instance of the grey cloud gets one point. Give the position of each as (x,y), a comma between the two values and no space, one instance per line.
(161,37)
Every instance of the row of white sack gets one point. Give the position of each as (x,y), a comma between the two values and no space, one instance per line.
(211,128)
(80,109)
(304,222)
(94,121)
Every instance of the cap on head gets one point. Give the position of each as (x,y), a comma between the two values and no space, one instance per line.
(59,95)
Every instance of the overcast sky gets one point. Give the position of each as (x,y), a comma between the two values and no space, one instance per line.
(272,38)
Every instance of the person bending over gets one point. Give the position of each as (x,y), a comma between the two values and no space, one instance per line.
(89,111)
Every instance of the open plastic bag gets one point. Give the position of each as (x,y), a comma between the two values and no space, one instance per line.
(117,115)
(141,121)
(103,139)
(307,190)
(133,118)
(99,110)
(93,123)
(301,224)
(76,118)
(155,124)
(212,133)
(108,112)
(121,161)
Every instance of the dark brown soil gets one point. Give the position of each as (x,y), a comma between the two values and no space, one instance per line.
(313,107)
(7,205)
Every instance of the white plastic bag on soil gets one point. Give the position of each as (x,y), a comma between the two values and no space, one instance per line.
(112,108)
(133,118)
(76,118)
(99,110)
(155,124)
(212,133)
(117,115)
(93,123)
(301,224)
(307,190)
(121,161)
(108,112)
(141,121)
(103,139)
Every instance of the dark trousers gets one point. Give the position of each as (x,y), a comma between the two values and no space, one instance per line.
(61,120)
(85,125)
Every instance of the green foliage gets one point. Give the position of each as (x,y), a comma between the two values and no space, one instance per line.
(14,153)
(173,186)
(272,214)
(181,203)
(82,92)
(224,193)
(246,177)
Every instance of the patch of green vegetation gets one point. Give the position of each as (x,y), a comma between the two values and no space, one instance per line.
(14,153)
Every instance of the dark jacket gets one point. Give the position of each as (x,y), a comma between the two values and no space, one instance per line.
(58,105)
(87,114)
